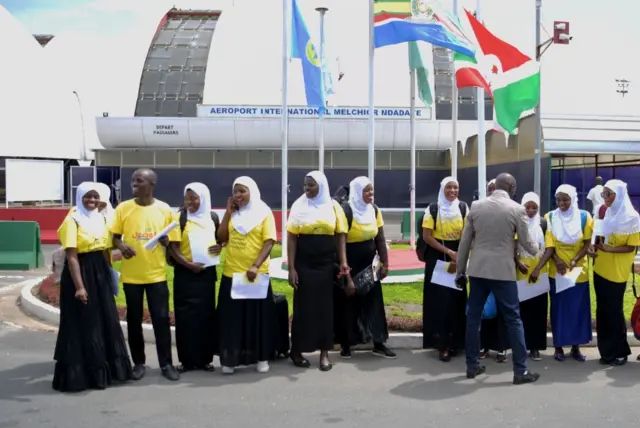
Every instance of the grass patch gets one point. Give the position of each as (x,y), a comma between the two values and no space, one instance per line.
(395,295)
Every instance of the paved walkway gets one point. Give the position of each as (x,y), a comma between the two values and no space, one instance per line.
(415,390)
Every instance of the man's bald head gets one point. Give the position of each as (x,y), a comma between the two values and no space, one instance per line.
(147,175)
(599,181)
(506,182)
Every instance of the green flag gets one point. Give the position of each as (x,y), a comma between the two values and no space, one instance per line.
(422,74)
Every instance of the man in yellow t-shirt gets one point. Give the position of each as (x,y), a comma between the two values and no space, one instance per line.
(135,222)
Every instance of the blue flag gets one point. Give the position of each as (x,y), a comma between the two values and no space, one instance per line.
(302,47)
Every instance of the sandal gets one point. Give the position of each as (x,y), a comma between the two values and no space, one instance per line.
(300,361)
(559,355)
(183,369)
(325,367)
(577,355)
(444,356)
(208,368)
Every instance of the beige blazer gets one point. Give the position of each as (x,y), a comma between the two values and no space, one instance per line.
(487,241)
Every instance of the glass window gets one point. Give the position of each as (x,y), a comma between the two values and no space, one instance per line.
(150,82)
(172,82)
(192,24)
(164,37)
(173,24)
(189,108)
(443,111)
(169,108)
(210,25)
(146,108)
(467,111)
(179,57)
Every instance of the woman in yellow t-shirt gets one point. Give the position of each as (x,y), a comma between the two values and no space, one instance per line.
(569,233)
(245,325)
(444,308)
(611,268)
(317,229)
(359,319)
(194,284)
(90,350)
(533,311)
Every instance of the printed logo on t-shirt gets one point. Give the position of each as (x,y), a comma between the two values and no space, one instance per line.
(146,235)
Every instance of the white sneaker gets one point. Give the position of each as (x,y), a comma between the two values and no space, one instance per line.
(262,367)
(228,370)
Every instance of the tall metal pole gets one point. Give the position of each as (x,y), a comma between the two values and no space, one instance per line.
(322,11)
(284,125)
(454,111)
(482,146)
(537,151)
(412,138)
(85,151)
(372,124)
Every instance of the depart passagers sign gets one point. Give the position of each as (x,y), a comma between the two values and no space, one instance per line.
(298,112)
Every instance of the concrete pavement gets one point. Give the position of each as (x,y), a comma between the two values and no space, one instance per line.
(415,390)
(11,277)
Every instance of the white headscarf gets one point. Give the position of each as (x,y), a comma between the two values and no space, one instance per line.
(447,209)
(363,212)
(254,212)
(621,218)
(535,230)
(489,184)
(567,226)
(105,196)
(91,221)
(307,211)
(202,217)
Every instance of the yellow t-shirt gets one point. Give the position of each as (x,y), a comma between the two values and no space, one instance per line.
(532,263)
(190,227)
(363,232)
(243,250)
(323,227)
(71,235)
(568,251)
(445,229)
(138,224)
(616,267)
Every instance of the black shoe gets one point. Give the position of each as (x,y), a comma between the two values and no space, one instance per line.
(384,352)
(139,371)
(170,372)
(345,352)
(471,374)
(535,355)
(619,361)
(527,377)
(501,357)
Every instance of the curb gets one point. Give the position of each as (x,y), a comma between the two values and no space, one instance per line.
(38,309)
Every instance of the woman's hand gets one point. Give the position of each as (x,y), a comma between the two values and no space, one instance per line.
(572,264)
(351,288)
(384,272)
(126,251)
(603,247)
(82,295)
(452,255)
(231,205)
(215,249)
(293,278)
(522,267)
(196,267)
(252,273)
(344,269)
(592,251)
(535,274)
(561,267)
(452,267)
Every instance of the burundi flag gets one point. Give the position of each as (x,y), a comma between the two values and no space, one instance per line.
(511,77)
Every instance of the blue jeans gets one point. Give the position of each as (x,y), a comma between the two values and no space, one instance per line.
(506,294)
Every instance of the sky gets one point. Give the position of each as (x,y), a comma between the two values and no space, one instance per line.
(579,78)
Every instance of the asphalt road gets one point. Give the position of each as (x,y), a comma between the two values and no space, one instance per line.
(415,390)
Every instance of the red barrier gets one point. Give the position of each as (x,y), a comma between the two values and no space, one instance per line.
(50,219)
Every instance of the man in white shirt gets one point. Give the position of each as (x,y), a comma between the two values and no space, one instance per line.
(594,198)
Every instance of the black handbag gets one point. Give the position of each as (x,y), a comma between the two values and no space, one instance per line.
(365,281)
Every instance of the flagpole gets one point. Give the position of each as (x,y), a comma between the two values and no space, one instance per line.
(322,11)
(454,111)
(284,125)
(537,152)
(412,138)
(372,125)
(481,144)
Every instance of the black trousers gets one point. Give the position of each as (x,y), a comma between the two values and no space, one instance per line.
(158,300)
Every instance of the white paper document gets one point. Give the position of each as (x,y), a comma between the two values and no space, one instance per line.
(242,288)
(376,265)
(200,243)
(442,277)
(568,280)
(153,242)
(528,291)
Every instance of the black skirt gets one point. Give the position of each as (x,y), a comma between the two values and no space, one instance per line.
(444,316)
(610,321)
(534,319)
(90,349)
(245,327)
(359,319)
(194,301)
(312,325)
(494,335)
